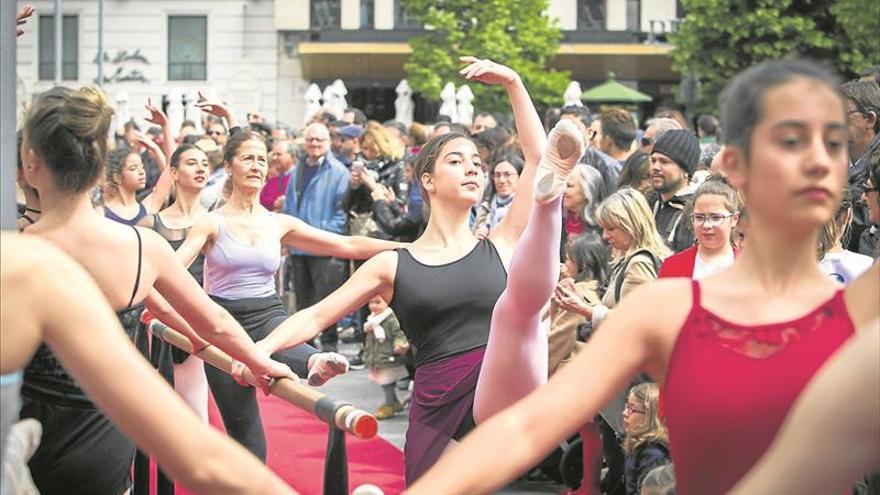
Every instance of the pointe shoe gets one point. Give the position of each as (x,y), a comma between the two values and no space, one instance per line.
(565,147)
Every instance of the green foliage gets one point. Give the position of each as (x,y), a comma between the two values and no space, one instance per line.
(719,38)
(516,33)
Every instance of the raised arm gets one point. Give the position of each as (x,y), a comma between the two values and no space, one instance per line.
(159,195)
(103,360)
(299,235)
(531,134)
(376,276)
(518,437)
(158,117)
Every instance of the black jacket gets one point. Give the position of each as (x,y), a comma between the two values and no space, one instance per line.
(672,222)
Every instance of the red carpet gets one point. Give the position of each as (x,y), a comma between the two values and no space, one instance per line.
(297,443)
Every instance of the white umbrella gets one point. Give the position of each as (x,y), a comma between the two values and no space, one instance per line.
(191,111)
(465,98)
(572,95)
(175,108)
(403,105)
(448,105)
(339,103)
(313,102)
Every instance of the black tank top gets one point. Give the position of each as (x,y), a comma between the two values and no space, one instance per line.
(445,310)
(46,380)
(175,237)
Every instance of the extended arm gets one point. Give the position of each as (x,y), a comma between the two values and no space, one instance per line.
(300,235)
(518,437)
(164,312)
(157,198)
(376,276)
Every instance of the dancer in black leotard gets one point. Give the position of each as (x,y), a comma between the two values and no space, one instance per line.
(63,149)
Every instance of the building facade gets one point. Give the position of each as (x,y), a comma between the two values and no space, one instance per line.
(261,55)
(151,49)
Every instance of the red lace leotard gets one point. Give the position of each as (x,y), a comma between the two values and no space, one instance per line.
(729,387)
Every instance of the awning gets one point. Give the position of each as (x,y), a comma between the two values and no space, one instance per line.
(586,61)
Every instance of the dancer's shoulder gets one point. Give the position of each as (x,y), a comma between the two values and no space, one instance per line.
(862,297)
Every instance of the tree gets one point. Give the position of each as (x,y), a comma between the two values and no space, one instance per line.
(517,33)
(719,38)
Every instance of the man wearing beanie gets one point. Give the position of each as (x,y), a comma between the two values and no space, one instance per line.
(673,160)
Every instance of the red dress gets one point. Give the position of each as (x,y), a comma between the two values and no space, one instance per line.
(729,387)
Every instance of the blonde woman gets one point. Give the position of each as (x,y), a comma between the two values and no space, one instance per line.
(638,251)
(384,169)
(647,439)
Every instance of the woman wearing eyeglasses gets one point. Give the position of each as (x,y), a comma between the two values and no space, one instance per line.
(716,212)
(504,174)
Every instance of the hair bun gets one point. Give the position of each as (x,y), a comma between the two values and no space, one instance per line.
(87,114)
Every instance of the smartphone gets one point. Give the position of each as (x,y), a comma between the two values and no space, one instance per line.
(357,165)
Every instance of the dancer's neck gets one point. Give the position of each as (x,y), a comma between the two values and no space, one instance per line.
(187,202)
(60,208)
(449,228)
(246,201)
(124,197)
(779,262)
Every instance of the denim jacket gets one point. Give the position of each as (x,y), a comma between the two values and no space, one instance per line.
(321,202)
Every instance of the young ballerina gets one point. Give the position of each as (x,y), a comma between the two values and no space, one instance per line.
(731,352)
(126,176)
(107,365)
(63,152)
(189,171)
(447,285)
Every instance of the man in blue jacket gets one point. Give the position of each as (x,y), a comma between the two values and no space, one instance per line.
(314,195)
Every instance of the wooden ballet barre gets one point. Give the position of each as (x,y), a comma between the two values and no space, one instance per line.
(334,412)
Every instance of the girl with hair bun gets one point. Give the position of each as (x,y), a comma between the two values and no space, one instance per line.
(715,212)
(730,352)
(64,147)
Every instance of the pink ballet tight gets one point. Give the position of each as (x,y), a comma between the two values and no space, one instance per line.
(515,362)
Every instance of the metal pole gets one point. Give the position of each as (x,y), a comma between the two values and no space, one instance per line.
(59,25)
(7,115)
(100,78)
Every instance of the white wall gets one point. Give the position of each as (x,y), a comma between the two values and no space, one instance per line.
(242,49)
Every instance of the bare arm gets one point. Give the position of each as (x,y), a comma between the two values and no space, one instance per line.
(531,137)
(158,117)
(839,410)
(103,360)
(518,437)
(376,276)
(159,195)
(164,312)
(300,235)
(198,236)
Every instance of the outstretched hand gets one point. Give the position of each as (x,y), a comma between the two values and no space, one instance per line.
(22,17)
(487,72)
(157,116)
(213,107)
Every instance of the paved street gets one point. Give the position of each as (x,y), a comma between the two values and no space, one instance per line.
(357,388)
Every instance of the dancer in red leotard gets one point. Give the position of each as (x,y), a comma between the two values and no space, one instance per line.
(732,351)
